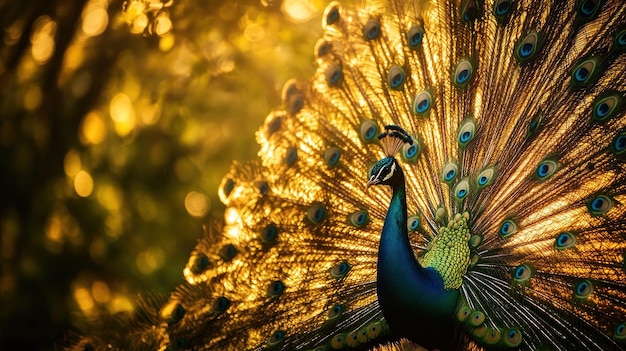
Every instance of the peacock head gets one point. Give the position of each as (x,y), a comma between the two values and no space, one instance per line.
(384,172)
(387,171)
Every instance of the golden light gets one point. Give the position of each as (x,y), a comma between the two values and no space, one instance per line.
(231,216)
(32,97)
(95,19)
(71,163)
(299,11)
(120,303)
(150,260)
(162,25)
(109,196)
(254,32)
(166,42)
(196,204)
(100,292)
(93,128)
(122,113)
(54,229)
(42,39)
(83,184)
(84,300)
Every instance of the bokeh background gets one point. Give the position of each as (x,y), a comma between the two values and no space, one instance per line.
(118,120)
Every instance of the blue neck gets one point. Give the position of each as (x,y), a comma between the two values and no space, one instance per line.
(412,298)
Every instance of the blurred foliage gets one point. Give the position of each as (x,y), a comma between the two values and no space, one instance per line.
(117,122)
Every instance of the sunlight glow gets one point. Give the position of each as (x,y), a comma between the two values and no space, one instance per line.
(42,39)
(83,183)
(196,204)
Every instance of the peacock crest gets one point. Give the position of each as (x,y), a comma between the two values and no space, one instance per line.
(503,136)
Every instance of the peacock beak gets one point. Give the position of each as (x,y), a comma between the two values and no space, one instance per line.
(372,181)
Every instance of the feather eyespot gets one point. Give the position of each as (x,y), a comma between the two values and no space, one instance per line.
(200,264)
(340,270)
(359,218)
(619,40)
(583,289)
(605,107)
(527,48)
(277,338)
(508,228)
(485,177)
(269,234)
(415,36)
(492,337)
(275,288)
(476,318)
(334,75)
(373,330)
(463,73)
(413,223)
(172,312)
(599,205)
(501,9)
(449,172)
(338,341)
(316,213)
(291,156)
(513,337)
(522,274)
(618,145)
(332,14)
(461,190)
(220,305)
(228,187)
(564,241)
(620,332)
(411,152)
(463,313)
(466,132)
(228,252)
(534,124)
(588,9)
(332,156)
(470,10)
(585,71)
(368,131)
(335,312)
(322,48)
(371,30)
(546,169)
(422,103)
(395,77)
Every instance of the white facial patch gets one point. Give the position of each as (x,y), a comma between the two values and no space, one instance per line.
(390,174)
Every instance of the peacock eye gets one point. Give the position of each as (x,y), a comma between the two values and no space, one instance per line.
(605,107)
(415,36)
(583,289)
(599,205)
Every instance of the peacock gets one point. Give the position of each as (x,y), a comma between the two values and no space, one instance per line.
(452,176)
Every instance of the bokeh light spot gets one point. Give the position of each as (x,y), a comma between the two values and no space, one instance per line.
(84,300)
(95,21)
(100,292)
(32,97)
(196,204)
(122,113)
(42,39)
(83,183)
(93,128)
(150,260)
(71,163)
(299,11)
(162,25)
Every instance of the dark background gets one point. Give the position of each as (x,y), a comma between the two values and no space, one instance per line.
(117,122)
